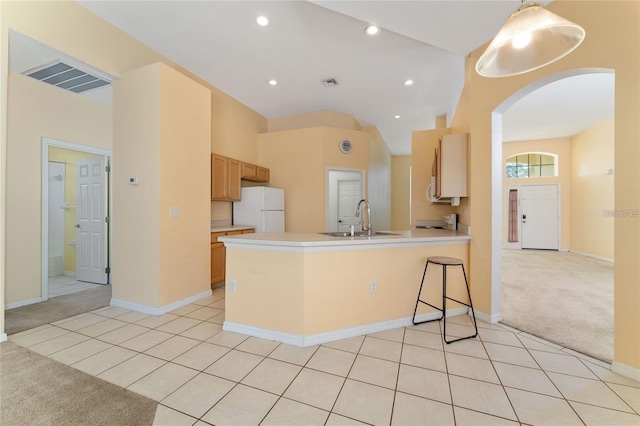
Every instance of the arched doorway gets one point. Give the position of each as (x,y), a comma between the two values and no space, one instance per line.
(497,203)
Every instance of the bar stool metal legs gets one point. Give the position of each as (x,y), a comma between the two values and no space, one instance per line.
(445,262)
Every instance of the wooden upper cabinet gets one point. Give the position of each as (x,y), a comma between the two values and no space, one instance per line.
(234,180)
(452,171)
(225,178)
(255,173)
(249,171)
(219,173)
(263,174)
(227,173)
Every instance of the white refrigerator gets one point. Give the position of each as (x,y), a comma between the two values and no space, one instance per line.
(261,207)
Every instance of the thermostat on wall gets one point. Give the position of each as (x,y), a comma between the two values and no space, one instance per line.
(345,146)
(133,181)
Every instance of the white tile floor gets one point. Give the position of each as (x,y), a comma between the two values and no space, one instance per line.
(63,284)
(202,375)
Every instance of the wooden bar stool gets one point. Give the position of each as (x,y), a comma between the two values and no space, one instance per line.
(445,262)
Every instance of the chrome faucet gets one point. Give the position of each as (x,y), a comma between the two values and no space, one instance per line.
(362,222)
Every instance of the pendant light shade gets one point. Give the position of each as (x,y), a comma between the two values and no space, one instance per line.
(531,38)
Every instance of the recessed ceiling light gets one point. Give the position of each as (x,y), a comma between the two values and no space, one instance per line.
(397,116)
(263,21)
(273,82)
(372,30)
(409,82)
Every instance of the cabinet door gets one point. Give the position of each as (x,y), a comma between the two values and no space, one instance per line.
(219,176)
(263,174)
(233,193)
(217,263)
(249,171)
(453,165)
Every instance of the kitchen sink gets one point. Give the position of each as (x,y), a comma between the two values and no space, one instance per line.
(356,234)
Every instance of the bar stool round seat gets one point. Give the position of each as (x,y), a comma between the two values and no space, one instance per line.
(445,262)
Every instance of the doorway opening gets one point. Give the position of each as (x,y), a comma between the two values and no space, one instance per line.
(76,215)
(555,277)
(345,188)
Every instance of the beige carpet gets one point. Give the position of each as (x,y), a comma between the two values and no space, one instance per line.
(35,390)
(55,309)
(563,297)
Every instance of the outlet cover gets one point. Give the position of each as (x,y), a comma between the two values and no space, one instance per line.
(373,287)
(232,286)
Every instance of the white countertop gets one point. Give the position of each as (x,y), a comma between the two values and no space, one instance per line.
(311,240)
(226,228)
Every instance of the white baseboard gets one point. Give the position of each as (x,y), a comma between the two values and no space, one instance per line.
(317,339)
(626,370)
(3,337)
(606,259)
(22,303)
(153,310)
(69,274)
(490,319)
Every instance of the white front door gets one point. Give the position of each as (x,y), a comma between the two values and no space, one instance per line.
(540,217)
(91,232)
(349,193)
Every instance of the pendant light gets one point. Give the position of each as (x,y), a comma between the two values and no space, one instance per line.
(531,38)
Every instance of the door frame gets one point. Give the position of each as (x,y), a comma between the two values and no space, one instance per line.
(331,202)
(44,235)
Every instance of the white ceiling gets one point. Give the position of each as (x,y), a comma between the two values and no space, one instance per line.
(306,42)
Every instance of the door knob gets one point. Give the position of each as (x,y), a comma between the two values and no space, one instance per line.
(77,225)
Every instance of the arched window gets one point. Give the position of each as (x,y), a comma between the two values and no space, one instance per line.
(532,164)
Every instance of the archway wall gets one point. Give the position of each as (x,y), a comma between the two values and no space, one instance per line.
(612,44)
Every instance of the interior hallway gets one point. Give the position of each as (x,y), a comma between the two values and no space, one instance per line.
(202,375)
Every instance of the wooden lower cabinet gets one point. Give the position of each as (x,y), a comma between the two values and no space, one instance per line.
(219,255)
(218,258)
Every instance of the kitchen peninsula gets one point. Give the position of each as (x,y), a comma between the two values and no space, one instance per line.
(306,289)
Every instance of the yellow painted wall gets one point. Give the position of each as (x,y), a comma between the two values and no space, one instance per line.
(423,145)
(612,42)
(298,160)
(69,158)
(136,208)
(185,167)
(379,184)
(161,135)
(400,194)
(234,127)
(560,147)
(38,110)
(592,190)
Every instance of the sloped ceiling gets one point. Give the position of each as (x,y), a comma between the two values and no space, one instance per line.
(307,42)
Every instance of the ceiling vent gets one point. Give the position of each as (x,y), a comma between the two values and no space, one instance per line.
(67,77)
(330,82)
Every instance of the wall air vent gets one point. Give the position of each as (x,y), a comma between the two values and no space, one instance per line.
(330,82)
(67,77)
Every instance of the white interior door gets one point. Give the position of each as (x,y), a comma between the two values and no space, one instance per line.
(540,217)
(91,232)
(349,193)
